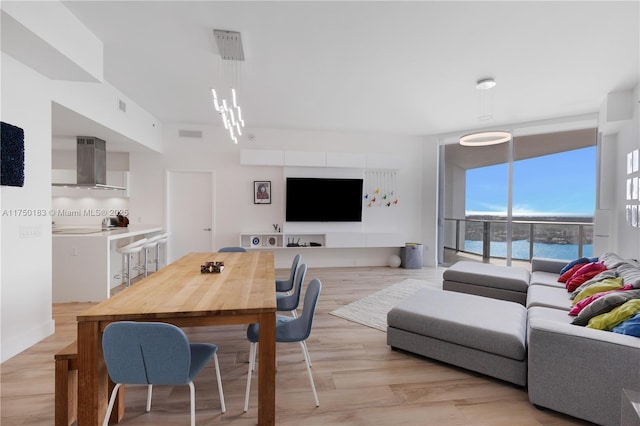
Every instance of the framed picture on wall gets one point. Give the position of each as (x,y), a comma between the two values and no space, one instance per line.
(261,192)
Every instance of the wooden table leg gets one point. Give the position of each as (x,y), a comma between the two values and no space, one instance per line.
(93,379)
(66,384)
(267,370)
(92,386)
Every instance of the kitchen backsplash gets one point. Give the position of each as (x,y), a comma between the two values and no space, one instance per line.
(86,211)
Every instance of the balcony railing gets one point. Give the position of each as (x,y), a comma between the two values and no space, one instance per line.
(550,239)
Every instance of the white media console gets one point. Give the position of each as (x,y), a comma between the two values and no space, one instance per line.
(274,240)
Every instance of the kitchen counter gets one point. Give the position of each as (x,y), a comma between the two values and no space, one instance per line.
(86,263)
(110,233)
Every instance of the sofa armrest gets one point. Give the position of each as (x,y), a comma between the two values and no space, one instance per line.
(553,266)
(581,371)
(587,334)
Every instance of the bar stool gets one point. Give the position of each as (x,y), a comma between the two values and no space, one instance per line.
(162,241)
(152,243)
(127,251)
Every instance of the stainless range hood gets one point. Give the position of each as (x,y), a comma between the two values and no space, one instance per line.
(91,171)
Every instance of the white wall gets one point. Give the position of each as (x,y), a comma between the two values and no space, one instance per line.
(146,188)
(25,287)
(628,139)
(235,211)
(429,208)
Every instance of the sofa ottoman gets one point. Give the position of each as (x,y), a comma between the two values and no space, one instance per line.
(477,333)
(485,279)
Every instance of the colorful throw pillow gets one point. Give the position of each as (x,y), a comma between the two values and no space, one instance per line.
(574,263)
(609,273)
(584,274)
(569,273)
(584,302)
(604,304)
(616,316)
(611,260)
(630,327)
(599,287)
(630,274)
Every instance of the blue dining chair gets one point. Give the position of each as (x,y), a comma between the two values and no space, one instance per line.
(285,286)
(232,250)
(289,302)
(154,353)
(288,330)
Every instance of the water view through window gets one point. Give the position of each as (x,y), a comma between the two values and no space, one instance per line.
(553,197)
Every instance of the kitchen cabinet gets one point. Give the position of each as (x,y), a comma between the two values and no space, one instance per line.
(85,260)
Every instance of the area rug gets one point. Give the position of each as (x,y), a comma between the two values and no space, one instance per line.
(372,310)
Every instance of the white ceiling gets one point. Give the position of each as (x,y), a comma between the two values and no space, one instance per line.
(396,67)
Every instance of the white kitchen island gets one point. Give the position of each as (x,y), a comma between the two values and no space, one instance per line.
(85,260)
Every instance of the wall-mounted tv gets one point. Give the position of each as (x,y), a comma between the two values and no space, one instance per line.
(323,200)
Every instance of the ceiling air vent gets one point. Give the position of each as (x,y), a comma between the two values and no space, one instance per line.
(122,106)
(190,133)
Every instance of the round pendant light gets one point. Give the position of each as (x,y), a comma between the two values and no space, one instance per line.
(492,137)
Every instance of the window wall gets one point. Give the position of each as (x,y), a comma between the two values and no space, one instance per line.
(531,197)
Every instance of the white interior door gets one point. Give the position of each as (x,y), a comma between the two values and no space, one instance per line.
(189,212)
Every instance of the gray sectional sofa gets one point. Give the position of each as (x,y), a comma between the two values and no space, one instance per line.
(572,369)
(569,368)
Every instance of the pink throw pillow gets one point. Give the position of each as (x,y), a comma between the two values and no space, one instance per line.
(584,302)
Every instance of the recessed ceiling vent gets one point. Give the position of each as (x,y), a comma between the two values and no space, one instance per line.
(197,134)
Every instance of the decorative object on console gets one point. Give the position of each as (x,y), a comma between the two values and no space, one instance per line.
(261,192)
(11,155)
(272,241)
(292,242)
(256,241)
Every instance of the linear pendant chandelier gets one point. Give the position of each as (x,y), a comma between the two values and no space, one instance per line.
(488,137)
(225,99)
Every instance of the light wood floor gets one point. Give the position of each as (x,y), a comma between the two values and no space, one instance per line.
(360,380)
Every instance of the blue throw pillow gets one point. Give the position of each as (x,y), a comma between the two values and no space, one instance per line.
(629,327)
(574,263)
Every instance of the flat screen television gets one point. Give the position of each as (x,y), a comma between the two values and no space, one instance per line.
(323,200)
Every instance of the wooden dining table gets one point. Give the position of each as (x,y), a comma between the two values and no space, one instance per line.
(180,294)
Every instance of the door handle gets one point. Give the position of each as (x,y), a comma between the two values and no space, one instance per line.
(207,229)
